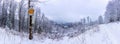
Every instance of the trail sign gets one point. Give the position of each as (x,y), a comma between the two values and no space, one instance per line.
(31,11)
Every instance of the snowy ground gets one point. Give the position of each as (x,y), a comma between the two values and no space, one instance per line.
(102,34)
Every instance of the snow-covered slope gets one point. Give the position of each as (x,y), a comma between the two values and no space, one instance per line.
(113,31)
(102,34)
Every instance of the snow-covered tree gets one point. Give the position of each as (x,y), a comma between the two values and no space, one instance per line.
(112,13)
(100,20)
(89,21)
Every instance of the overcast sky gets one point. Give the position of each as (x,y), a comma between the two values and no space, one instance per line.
(73,10)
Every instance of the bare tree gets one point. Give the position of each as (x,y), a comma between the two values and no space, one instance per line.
(4,14)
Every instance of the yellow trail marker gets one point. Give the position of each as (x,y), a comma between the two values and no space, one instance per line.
(31,11)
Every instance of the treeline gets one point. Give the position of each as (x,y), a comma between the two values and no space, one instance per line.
(14,15)
(112,13)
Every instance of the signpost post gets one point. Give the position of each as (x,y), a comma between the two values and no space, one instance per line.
(30,12)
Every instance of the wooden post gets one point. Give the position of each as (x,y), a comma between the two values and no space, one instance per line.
(30,28)
(30,12)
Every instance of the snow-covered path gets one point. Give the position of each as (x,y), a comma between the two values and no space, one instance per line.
(113,31)
(102,34)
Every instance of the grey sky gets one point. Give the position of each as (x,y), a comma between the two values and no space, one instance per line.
(73,10)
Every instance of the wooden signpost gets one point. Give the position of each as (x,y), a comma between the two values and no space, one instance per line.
(31,13)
